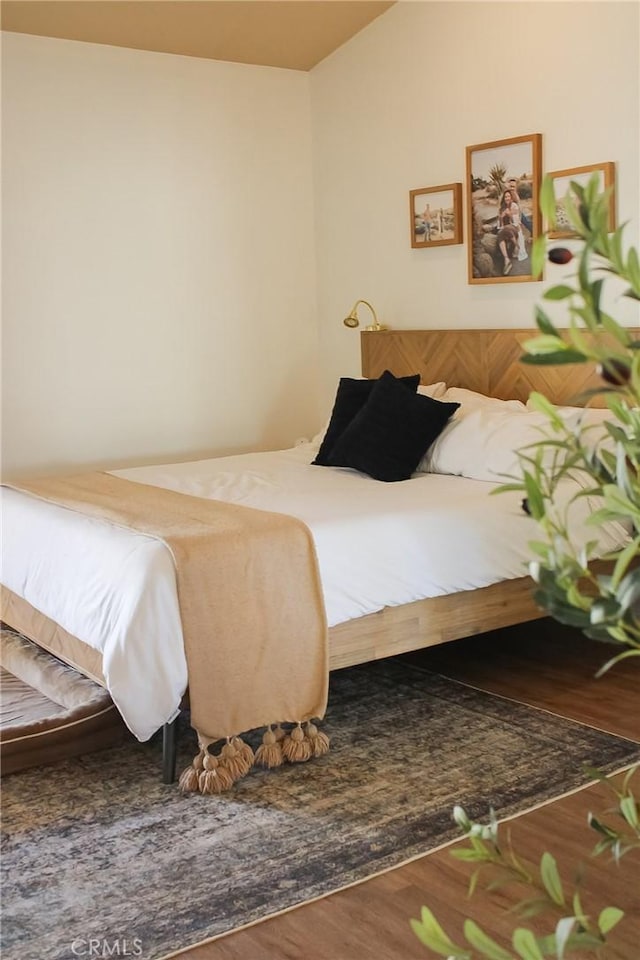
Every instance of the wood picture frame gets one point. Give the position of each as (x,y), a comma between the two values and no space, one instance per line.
(503,213)
(561,181)
(436,215)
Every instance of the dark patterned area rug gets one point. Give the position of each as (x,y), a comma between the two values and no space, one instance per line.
(98,851)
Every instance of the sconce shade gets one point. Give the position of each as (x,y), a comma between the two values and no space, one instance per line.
(351,320)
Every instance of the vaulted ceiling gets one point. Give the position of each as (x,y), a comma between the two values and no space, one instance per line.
(296,34)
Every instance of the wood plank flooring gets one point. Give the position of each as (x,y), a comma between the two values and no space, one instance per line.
(539,663)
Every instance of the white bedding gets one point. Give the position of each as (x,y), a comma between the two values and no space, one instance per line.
(378,544)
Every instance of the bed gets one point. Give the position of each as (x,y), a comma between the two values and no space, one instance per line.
(370,614)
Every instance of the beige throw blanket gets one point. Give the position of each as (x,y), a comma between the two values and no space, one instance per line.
(251,603)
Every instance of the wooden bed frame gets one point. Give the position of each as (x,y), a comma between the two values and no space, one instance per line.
(487,361)
(483,360)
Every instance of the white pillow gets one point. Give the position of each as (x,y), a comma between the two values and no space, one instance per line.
(470,399)
(319,437)
(591,421)
(434,390)
(591,414)
(482,444)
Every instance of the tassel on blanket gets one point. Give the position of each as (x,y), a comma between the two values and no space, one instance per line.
(214,778)
(244,749)
(296,747)
(234,760)
(269,753)
(319,741)
(210,774)
(189,777)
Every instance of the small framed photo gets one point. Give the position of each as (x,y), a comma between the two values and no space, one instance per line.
(561,182)
(503,216)
(436,215)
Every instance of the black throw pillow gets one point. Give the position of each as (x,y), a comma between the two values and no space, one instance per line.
(351,397)
(392,432)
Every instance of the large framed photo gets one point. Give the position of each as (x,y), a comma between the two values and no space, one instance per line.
(561,182)
(436,215)
(503,216)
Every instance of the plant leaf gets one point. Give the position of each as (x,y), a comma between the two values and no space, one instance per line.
(608,919)
(560,292)
(577,909)
(544,323)
(538,401)
(538,255)
(469,856)
(545,343)
(551,878)
(534,496)
(526,945)
(564,928)
(430,933)
(482,942)
(629,775)
(623,561)
(553,359)
(629,810)
(547,200)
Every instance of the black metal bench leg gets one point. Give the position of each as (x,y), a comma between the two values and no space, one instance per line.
(169,737)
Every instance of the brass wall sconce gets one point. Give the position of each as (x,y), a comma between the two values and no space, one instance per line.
(353,321)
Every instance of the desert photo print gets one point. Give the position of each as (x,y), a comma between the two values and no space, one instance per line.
(502,185)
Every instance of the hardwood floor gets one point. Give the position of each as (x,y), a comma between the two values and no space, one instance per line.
(542,664)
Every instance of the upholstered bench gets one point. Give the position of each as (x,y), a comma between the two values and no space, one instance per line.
(49,711)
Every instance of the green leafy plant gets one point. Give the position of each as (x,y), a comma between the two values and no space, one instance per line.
(574,590)
(544,892)
(604,606)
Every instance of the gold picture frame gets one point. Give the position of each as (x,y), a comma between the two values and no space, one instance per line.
(503,213)
(561,181)
(436,215)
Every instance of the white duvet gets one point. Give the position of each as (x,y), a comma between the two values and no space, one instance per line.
(378,544)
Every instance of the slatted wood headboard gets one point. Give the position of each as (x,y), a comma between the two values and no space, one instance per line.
(487,361)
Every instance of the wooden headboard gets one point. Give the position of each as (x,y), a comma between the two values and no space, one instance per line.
(487,361)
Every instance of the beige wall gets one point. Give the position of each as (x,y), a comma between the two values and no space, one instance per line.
(158,265)
(394,110)
(165,295)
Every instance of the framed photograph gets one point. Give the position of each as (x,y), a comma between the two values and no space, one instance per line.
(436,215)
(503,215)
(582,175)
